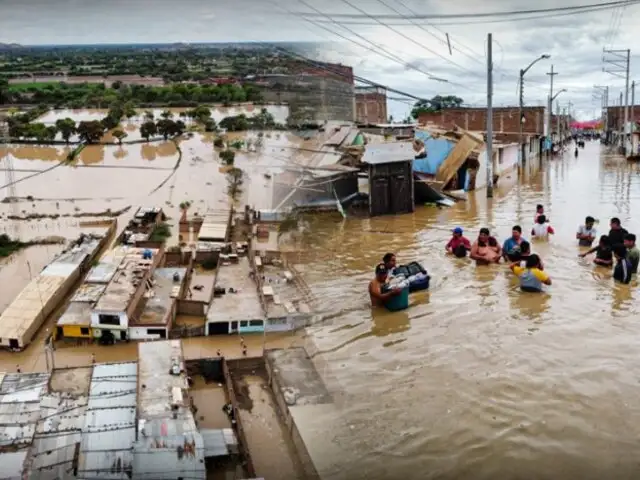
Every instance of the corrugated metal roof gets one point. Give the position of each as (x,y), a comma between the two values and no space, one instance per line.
(388,153)
(215,444)
(106,454)
(113,386)
(51,456)
(169,449)
(109,429)
(12,464)
(23,387)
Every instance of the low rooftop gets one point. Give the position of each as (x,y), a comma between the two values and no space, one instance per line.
(244,304)
(126,280)
(161,297)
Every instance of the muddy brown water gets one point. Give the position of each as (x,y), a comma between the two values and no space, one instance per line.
(475,379)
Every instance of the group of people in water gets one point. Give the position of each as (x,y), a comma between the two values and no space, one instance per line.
(617,249)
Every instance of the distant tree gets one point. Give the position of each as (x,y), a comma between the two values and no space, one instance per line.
(218,142)
(116,85)
(166,114)
(90,131)
(201,113)
(148,115)
(129,110)
(50,133)
(148,129)
(228,157)
(119,135)
(66,127)
(184,207)
(235,179)
(436,104)
(168,128)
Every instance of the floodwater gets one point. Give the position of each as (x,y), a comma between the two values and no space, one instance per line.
(476,379)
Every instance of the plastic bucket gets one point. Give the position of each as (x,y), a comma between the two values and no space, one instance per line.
(398,302)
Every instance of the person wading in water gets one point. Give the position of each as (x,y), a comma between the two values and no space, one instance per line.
(378,299)
(485,249)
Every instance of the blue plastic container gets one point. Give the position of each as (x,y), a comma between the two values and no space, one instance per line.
(417,285)
(398,302)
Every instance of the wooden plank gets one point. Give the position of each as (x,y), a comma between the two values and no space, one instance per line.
(457,157)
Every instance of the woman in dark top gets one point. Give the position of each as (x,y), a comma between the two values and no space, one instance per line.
(604,253)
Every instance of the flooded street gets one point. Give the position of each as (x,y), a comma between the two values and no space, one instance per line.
(476,379)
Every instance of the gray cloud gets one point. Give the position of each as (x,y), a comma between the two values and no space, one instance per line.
(574,42)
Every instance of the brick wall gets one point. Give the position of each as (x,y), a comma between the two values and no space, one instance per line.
(504,119)
(616,116)
(371,108)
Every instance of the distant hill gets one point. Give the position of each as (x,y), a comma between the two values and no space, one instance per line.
(10,46)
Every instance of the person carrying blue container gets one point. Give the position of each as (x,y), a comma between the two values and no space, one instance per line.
(377,287)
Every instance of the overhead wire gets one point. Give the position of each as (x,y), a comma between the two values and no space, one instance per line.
(502,20)
(412,40)
(574,8)
(386,52)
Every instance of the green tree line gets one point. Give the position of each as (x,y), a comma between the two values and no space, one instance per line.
(88,95)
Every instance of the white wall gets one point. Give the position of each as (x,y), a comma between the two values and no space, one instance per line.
(95,320)
(140,333)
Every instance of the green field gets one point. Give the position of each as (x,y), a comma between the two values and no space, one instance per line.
(22,87)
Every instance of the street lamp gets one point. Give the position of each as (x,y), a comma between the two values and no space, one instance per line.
(558,93)
(521,113)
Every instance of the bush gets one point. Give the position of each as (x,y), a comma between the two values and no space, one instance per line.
(218,143)
(228,157)
(160,233)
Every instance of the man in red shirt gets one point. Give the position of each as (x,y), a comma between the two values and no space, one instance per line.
(459,245)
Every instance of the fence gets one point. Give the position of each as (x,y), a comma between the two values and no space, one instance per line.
(310,471)
(242,441)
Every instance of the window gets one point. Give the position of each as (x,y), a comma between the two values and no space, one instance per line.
(244,323)
(278,321)
(109,319)
(84,331)
(256,323)
(157,331)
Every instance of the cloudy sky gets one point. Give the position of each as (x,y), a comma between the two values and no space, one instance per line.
(405,53)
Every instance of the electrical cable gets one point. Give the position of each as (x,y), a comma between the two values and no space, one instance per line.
(412,40)
(378,49)
(502,20)
(574,8)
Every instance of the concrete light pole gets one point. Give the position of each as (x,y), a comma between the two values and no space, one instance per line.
(521,156)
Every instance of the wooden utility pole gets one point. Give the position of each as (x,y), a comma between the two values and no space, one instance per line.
(489,118)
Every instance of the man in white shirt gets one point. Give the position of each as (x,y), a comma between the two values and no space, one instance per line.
(586,233)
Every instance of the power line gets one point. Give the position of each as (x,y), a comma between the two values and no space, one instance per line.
(501,20)
(412,40)
(429,75)
(613,4)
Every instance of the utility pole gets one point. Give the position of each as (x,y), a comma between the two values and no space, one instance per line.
(489,117)
(558,119)
(621,124)
(633,104)
(520,118)
(620,61)
(550,105)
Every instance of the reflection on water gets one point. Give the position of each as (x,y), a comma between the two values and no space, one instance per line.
(492,382)
(476,379)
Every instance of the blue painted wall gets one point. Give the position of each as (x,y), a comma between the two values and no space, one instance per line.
(438,150)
